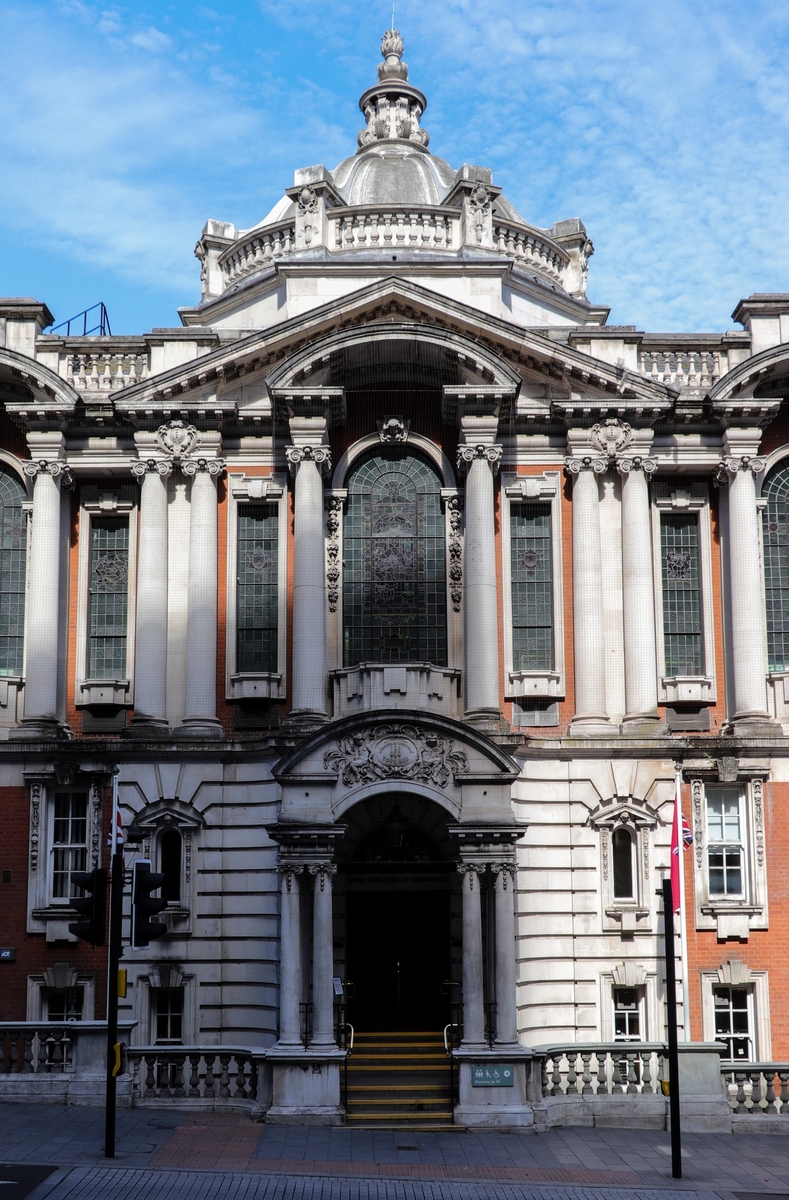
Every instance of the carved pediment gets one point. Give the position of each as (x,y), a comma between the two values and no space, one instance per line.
(623,810)
(396,751)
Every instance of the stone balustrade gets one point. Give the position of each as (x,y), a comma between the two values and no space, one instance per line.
(604,1069)
(695,367)
(527,247)
(58,1062)
(257,249)
(204,1077)
(103,371)
(757,1089)
(395,228)
(37,1048)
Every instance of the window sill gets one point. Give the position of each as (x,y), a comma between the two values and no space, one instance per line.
(104,692)
(249,685)
(687,689)
(631,918)
(732,918)
(534,684)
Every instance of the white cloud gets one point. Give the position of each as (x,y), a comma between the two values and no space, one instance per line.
(151,39)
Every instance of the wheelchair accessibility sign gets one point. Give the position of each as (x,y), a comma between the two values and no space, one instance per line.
(495,1075)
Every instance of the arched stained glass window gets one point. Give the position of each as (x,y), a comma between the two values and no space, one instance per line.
(394,586)
(13,552)
(775,520)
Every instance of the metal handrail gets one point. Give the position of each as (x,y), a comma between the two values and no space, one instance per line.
(102,328)
(451,1025)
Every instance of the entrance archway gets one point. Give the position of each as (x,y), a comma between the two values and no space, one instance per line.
(397,894)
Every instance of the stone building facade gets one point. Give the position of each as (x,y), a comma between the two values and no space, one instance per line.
(398,585)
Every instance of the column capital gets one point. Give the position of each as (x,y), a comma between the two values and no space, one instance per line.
(151,466)
(574,466)
(288,869)
(209,466)
(729,466)
(507,869)
(54,467)
(320,455)
(323,869)
(625,464)
(471,869)
(489,454)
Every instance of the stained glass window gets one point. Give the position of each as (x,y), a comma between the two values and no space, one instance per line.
(394,587)
(679,553)
(108,597)
(257,601)
(776,566)
(531,563)
(13,546)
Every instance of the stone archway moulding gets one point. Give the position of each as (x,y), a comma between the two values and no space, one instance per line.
(439,759)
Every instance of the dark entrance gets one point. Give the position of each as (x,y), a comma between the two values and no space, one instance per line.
(398,958)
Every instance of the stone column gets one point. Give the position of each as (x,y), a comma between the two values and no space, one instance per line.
(323,958)
(42,619)
(307,458)
(506,951)
(638,595)
(200,720)
(473,986)
(290,975)
(150,672)
(588,616)
(749,664)
(480,461)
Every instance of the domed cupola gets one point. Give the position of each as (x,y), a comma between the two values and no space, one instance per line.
(393,164)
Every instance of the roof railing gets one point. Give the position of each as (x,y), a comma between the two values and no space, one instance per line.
(102,328)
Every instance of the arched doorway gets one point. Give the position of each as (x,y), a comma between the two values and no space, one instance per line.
(398,898)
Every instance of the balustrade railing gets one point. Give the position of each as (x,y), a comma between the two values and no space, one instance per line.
(212,1074)
(526,246)
(103,371)
(687,367)
(603,1069)
(758,1089)
(394,228)
(259,248)
(33,1048)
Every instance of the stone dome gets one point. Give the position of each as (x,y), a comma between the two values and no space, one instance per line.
(393,172)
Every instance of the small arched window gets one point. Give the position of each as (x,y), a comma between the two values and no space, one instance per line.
(13,554)
(394,587)
(170,865)
(623,864)
(775,519)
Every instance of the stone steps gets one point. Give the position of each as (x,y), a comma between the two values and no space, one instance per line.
(422,1096)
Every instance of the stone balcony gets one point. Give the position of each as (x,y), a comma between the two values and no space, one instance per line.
(414,687)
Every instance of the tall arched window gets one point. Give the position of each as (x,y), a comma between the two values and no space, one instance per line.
(394,587)
(13,547)
(776,565)
(170,864)
(623,864)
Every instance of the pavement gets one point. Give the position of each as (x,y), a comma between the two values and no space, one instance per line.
(51,1152)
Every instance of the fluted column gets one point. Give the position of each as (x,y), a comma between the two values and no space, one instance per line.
(749,664)
(200,718)
(322,958)
(638,593)
(480,591)
(506,954)
(473,984)
(42,624)
(290,974)
(150,672)
(306,461)
(588,615)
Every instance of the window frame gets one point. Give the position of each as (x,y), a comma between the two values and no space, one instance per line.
(734,973)
(118,691)
(732,916)
(256,489)
(48,913)
(638,1010)
(631,974)
(542,488)
(12,686)
(669,498)
(625,914)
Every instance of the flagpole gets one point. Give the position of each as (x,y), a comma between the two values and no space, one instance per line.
(683,933)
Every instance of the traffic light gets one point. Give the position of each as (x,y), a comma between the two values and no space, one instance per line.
(93,905)
(144,905)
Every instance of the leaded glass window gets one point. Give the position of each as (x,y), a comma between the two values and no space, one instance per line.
(13,547)
(775,526)
(531,562)
(69,841)
(108,597)
(257,596)
(394,588)
(682,630)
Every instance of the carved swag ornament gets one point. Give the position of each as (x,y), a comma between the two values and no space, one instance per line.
(395,752)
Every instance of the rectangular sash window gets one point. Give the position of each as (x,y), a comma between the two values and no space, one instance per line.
(257,594)
(531,559)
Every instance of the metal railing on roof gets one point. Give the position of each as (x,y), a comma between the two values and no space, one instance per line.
(102,327)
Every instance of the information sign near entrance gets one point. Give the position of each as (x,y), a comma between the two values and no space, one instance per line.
(495,1075)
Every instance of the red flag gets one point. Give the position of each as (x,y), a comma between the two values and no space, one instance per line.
(675,857)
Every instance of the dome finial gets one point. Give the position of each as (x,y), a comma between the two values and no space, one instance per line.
(392,48)
(393,108)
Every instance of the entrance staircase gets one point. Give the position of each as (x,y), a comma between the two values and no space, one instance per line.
(399,1080)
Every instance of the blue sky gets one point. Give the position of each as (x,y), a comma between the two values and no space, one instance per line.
(665,127)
